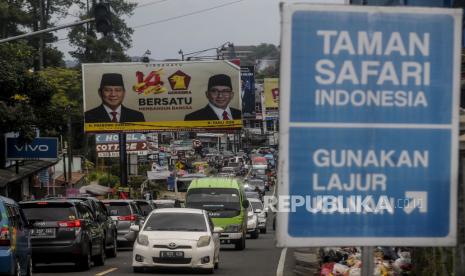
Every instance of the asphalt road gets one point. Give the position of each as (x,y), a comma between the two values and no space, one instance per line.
(260,257)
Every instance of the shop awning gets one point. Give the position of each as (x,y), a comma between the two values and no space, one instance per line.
(26,168)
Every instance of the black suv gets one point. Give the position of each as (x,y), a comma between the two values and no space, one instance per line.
(99,210)
(64,230)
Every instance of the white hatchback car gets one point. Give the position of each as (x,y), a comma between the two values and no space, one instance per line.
(177,237)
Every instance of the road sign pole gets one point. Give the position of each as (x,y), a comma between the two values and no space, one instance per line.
(123,159)
(367,261)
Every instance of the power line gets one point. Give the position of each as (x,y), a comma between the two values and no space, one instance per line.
(176,17)
(187,14)
(151,3)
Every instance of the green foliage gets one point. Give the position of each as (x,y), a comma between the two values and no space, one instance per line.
(12,17)
(136,180)
(103,179)
(109,180)
(25,95)
(67,86)
(262,51)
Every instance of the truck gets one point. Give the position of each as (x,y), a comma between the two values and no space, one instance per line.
(225,200)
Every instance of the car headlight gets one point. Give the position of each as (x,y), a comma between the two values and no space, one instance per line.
(143,240)
(203,241)
(233,228)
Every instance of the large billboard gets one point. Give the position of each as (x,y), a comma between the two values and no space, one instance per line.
(271,92)
(143,97)
(248,91)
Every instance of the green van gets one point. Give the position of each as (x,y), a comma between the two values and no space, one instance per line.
(226,203)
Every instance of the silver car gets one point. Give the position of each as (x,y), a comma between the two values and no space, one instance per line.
(125,213)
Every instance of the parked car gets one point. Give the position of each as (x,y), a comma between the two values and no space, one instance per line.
(100,212)
(258,209)
(15,245)
(64,230)
(177,237)
(125,213)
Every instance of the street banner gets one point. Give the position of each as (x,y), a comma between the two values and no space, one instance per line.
(248,91)
(162,96)
(42,148)
(271,92)
(107,145)
(114,138)
(369,126)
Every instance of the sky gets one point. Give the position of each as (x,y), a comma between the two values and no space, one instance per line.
(166,26)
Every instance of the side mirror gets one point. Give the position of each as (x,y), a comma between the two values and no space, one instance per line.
(245,204)
(218,230)
(134,228)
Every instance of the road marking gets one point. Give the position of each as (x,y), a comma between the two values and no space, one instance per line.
(282,261)
(106,271)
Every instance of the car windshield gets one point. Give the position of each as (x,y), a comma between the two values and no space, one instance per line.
(45,211)
(176,222)
(256,182)
(118,208)
(258,172)
(214,199)
(252,195)
(256,205)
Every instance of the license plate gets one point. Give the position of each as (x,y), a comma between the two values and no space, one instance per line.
(43,233)
(171,254)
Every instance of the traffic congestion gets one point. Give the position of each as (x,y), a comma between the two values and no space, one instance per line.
(220,217)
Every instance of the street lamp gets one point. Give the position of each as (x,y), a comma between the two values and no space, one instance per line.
(219,52)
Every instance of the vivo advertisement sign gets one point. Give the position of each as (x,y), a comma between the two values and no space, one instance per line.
(369,132)
(40,149)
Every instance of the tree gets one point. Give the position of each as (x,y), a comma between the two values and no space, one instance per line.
(108,48)
(25,95)
(66,100)
(41,13)
(12,17)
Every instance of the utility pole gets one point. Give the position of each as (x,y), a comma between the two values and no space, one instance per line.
(41,39)
(70,146)
(123,163)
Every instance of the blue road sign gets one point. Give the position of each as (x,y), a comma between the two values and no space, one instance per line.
(39,149)
(369,131)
